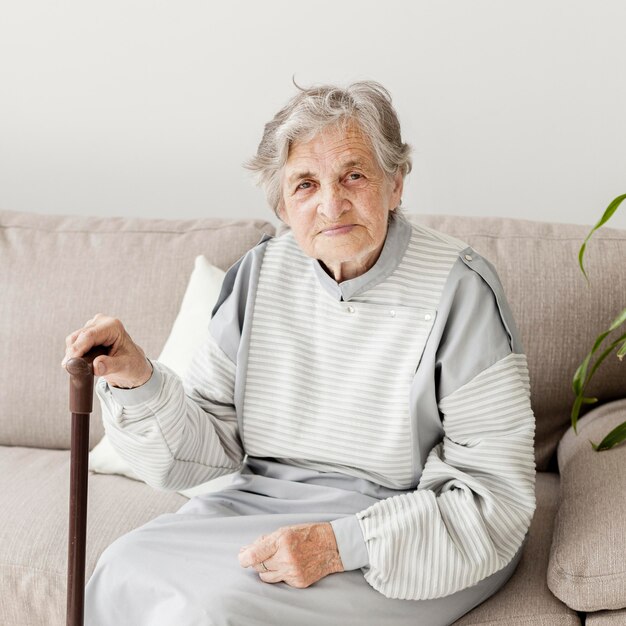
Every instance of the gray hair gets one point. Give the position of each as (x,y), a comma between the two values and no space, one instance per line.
(316,108)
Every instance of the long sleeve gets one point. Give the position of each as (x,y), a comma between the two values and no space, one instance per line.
(177,433)
(475,497)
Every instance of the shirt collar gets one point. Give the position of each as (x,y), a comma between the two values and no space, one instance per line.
(396,242)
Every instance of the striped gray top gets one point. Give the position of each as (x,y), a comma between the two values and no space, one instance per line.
(410,376)
(328,381)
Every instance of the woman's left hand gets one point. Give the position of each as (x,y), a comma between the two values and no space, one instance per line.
(299,555)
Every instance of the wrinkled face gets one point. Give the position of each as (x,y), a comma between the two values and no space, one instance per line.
(337,199)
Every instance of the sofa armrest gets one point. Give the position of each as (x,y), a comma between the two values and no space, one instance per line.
(586,566)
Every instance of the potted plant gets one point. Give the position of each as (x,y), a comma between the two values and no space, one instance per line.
(584,373)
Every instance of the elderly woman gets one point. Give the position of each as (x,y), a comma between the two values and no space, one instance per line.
(364,383)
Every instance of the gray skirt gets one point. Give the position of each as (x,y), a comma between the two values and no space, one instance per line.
(181,569)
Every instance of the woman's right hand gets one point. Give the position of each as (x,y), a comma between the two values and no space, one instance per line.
(125,366)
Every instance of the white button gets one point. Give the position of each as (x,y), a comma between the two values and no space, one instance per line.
(350,309)
(427,316)
(468,257)
(392,313)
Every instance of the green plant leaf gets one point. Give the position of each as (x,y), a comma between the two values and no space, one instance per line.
(581,381)
(616,436)
(618,321)
(603,356)
(576,410)
(579,376)
(578,381)
(581,254)
(608,213)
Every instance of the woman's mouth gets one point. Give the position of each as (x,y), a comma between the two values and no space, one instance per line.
(338,230)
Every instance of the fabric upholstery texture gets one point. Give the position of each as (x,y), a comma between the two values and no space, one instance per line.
(34,528)
(606,618)
(586,568)
(56,272)
(558,315)
(33,535)
(525,600)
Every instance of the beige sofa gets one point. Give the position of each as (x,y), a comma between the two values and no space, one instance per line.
(57,271)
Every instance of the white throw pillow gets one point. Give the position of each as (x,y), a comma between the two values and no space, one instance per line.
(192,322)
(188,331)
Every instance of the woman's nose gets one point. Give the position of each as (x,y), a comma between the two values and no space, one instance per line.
(333,203)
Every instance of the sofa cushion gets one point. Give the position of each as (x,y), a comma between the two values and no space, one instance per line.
(33,541)
(586,568)
(525,600)
(557,313)
(56,272)
(34,529)
(606,618)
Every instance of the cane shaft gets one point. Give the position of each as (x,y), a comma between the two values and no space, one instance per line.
(81,405)
(78,519)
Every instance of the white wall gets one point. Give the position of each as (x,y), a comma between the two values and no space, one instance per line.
(149,108)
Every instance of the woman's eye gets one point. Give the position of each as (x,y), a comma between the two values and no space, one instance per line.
(354,176)
(300,186)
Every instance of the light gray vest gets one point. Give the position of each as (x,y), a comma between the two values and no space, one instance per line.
(328,381)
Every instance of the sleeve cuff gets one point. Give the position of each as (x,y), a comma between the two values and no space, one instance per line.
(350,542)
(138,395)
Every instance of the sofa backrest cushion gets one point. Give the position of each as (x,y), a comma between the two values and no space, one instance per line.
(557,313)
(56,272)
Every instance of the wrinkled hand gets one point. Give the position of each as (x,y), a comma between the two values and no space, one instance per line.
(299,555)
(125,366)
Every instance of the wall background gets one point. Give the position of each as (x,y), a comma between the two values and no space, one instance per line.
(144,108)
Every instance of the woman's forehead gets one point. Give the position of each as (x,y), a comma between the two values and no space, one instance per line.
(332,147)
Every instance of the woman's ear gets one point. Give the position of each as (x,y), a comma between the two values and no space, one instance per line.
(396,189)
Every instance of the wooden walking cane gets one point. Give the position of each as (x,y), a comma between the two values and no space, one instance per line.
(81,405)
